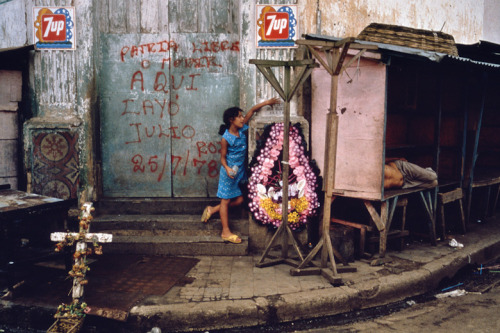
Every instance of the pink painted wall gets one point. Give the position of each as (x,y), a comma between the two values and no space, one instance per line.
(360,143)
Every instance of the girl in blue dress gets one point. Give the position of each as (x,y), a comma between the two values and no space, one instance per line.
(232,171)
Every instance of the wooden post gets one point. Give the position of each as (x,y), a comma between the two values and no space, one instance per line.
(335,53)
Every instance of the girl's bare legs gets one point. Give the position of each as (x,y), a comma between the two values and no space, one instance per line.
(235,202)
(223,209)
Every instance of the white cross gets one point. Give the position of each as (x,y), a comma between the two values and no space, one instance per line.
(81,245)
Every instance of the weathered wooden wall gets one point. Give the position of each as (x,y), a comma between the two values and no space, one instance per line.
(65,84)
(10,96)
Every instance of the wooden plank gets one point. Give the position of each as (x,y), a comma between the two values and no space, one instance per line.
(300,78)
(374,215)
(286,166)
(282,63)
(356,57)
(450,196)
(133,17)
(163,17)
(312,254)
(321,60)
(321,43)
(221,16)
(149,11)
(392,234)
(117,16)
(185,15)
(340,61)
(485,182)
(391,204)
(352,224)
(397,192)
(269,75)
(336,281)
(384,208)
(305,271)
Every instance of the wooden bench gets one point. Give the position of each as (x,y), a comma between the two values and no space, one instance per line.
(383,219)
(391,234)
(455,195)
(363,228)
(485,178)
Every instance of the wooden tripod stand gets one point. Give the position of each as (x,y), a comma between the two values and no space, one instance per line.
(286,92)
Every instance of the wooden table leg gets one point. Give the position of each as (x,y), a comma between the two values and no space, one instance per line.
(384,210)
(380,222)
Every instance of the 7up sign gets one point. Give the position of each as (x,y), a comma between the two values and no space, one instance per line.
(276,26)
(54,28)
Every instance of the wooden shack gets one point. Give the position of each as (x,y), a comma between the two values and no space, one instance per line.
(414,98)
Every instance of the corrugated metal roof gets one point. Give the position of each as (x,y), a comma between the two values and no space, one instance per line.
(404,51)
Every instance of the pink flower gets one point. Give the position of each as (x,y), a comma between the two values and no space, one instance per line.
(299,171)
(266,172)
(268,163)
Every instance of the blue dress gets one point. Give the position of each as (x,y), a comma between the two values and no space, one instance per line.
(236,153)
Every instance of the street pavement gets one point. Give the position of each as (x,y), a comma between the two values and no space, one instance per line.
(230,291)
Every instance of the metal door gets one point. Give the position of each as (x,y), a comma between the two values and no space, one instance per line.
(162,98)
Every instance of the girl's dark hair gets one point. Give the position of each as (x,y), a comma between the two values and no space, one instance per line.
(229,114)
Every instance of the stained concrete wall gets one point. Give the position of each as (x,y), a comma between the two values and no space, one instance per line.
(491,21)
(461,18)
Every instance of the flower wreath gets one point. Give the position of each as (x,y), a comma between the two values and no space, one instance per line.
(266,185)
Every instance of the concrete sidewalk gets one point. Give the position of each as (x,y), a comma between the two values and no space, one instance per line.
(229,292)
(232,292)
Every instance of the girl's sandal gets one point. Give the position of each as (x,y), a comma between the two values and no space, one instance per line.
(206,215)
(232,239)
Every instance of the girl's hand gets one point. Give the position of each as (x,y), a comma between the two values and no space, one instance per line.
(229,172)
(272,101)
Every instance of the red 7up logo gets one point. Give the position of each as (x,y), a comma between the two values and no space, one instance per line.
(276,25)
(54,27)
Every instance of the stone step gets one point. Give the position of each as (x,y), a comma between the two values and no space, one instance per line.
(169,234)
(175,245)
(159,223)
(190,206)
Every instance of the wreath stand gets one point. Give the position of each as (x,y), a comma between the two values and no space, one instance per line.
(335,53)
(286,93)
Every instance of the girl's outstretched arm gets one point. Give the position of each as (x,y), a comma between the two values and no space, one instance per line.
(257,107)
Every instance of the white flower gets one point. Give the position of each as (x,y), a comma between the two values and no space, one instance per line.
(261,191)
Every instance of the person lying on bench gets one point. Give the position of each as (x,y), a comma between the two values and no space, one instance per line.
(399,173)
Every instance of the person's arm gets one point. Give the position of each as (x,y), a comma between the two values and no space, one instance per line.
(392,159)
(223,160)
(259,106)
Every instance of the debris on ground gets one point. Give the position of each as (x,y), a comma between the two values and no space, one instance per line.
(454,243)
(453,293)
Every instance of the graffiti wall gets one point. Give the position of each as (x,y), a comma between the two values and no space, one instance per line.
(162,102)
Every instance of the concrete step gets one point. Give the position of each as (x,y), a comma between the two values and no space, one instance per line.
(188,206)
(177,222)
(175,245)
(169,234)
